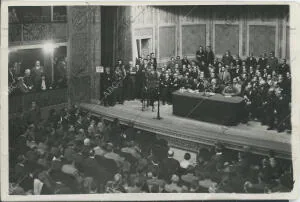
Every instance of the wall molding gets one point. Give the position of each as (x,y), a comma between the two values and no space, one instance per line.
(158,49)
(193,24)
(257,23)
(224,22)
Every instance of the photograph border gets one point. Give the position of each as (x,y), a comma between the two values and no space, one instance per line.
(295,140)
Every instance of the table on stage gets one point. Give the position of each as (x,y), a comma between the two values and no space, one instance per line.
(215,108)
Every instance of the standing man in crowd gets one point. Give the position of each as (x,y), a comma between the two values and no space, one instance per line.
(224,77)
(227,58)
(210,56)
(60,74)
(201,55)
(283,68)
(153,59)
(119,76)
(128,85)
(108,93)
(251,61)
(37,72)
(272,61)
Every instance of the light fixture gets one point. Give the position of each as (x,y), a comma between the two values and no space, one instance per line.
(48,47)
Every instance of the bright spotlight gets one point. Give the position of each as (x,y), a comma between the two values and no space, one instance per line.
(48,47)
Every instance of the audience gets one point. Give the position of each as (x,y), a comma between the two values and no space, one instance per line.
(36,78)
(73,152)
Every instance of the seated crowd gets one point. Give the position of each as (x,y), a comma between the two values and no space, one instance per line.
(72,152)
(264,83)
(36,78)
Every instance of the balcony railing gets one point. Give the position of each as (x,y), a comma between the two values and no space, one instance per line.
(43,99)
(20,33)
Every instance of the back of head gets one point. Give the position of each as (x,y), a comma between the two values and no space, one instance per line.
(187,156)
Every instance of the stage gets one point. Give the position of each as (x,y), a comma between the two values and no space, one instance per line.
(185,133)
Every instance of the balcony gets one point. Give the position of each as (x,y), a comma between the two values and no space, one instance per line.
(43,99)
(35,32)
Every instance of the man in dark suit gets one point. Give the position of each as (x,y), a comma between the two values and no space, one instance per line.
(185,61)
(37,72)
(169,166)
(251,61)
(237,61)
(91,168)
(272,61)
(283,68)
(269,106)
(60,74)
(201,55)
(210,56)
(227,58)
(28,81)
(282,111)
(12,75)
(108,94)
(153,59)
(118,80)
(178,61)
(262,61)
(224,76)
(171,64)
(34,114)
(43,84)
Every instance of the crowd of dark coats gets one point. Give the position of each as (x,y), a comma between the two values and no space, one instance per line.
(264,83)
(72,152)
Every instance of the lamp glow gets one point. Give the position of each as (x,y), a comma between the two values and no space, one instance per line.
(48,47)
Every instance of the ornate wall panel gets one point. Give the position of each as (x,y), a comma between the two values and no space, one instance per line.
(80,53)
(79,18)
(85,52)
(38,31)
(167,15)
(20,33)
(194,14)
(192,37)
(142,15)
(59,30)
(166,42)
(261,38)
(15,32)
(143,32)
(226,38)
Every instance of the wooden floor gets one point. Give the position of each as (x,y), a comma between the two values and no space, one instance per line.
(252,134)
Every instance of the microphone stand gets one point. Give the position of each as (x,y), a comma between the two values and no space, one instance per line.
(158,117)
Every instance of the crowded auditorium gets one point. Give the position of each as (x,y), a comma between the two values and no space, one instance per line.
(149,99)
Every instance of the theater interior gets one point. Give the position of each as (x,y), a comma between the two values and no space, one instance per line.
(79,108)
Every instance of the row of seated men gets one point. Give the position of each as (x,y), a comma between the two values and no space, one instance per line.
(264,83)
(36,78)
(72,152)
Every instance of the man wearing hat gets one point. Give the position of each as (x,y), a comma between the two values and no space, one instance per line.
(92,168)
(169,166)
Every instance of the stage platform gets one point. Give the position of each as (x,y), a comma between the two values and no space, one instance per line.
(189,134)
